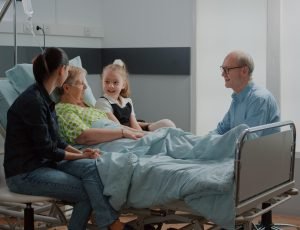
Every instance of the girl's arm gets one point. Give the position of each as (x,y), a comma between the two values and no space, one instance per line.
(132,119)
(134,123)
(112,117)
(99,135)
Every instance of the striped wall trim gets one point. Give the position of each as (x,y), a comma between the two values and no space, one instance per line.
(148,61)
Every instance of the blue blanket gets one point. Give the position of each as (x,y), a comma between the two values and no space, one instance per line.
(170,164)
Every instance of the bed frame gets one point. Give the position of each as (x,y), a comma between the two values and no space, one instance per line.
(272,182)
(264,179)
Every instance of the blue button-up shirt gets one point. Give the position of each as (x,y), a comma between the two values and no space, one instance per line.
(32,139)
(253,106)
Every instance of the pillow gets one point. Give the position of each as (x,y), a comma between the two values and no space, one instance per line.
(76,61)
(89,96)
(21,76)
(7,96)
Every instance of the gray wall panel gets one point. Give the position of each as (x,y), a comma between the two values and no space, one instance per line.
(161,60)
(151,61)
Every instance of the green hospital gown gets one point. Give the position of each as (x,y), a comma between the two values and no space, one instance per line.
(74,119)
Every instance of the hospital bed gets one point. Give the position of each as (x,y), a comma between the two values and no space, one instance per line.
(264,179)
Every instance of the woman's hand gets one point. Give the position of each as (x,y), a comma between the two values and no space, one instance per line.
(129,133)
(91,153)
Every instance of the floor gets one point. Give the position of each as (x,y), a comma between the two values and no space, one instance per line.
(293,220)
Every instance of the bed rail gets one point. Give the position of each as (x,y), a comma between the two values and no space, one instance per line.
(276,152)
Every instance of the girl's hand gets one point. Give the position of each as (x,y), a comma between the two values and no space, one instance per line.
(128,133)
(91,153)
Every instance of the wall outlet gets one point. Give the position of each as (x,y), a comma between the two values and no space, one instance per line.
(36,30)
(55,30)
(47,29)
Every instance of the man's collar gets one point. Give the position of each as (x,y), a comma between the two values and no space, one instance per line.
(111,99)
(243,94)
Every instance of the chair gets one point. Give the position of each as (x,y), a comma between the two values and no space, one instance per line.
(27,207)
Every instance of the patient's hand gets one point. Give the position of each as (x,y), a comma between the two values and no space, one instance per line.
(129,133)
(91,153)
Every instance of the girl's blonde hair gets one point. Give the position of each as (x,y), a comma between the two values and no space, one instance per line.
(119,66)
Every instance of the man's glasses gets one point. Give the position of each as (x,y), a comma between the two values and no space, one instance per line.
(225,69)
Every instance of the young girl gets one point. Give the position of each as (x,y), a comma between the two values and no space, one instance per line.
(116,102)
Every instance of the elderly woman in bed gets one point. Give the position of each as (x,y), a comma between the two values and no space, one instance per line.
(76,117)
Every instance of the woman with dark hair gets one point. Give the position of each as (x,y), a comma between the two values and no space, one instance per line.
(38,162)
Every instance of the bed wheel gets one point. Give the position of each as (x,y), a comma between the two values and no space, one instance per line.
(152,226)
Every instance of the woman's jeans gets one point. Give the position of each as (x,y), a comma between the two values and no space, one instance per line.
(75,181)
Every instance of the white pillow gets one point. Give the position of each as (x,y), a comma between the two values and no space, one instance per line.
(76,61)
(21,76)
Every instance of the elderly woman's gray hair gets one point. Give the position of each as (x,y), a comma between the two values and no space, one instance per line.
(73,72)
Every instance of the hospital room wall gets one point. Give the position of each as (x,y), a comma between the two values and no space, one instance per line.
(290,60)
(231,26)
(155,96)
(66,21)
(271,38)
(152,24)
(290,84)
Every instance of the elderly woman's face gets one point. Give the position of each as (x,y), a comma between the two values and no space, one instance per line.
(77,86)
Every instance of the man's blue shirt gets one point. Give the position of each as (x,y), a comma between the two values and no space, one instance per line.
(253,106)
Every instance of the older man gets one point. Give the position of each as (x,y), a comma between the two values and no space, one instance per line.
(251,104)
